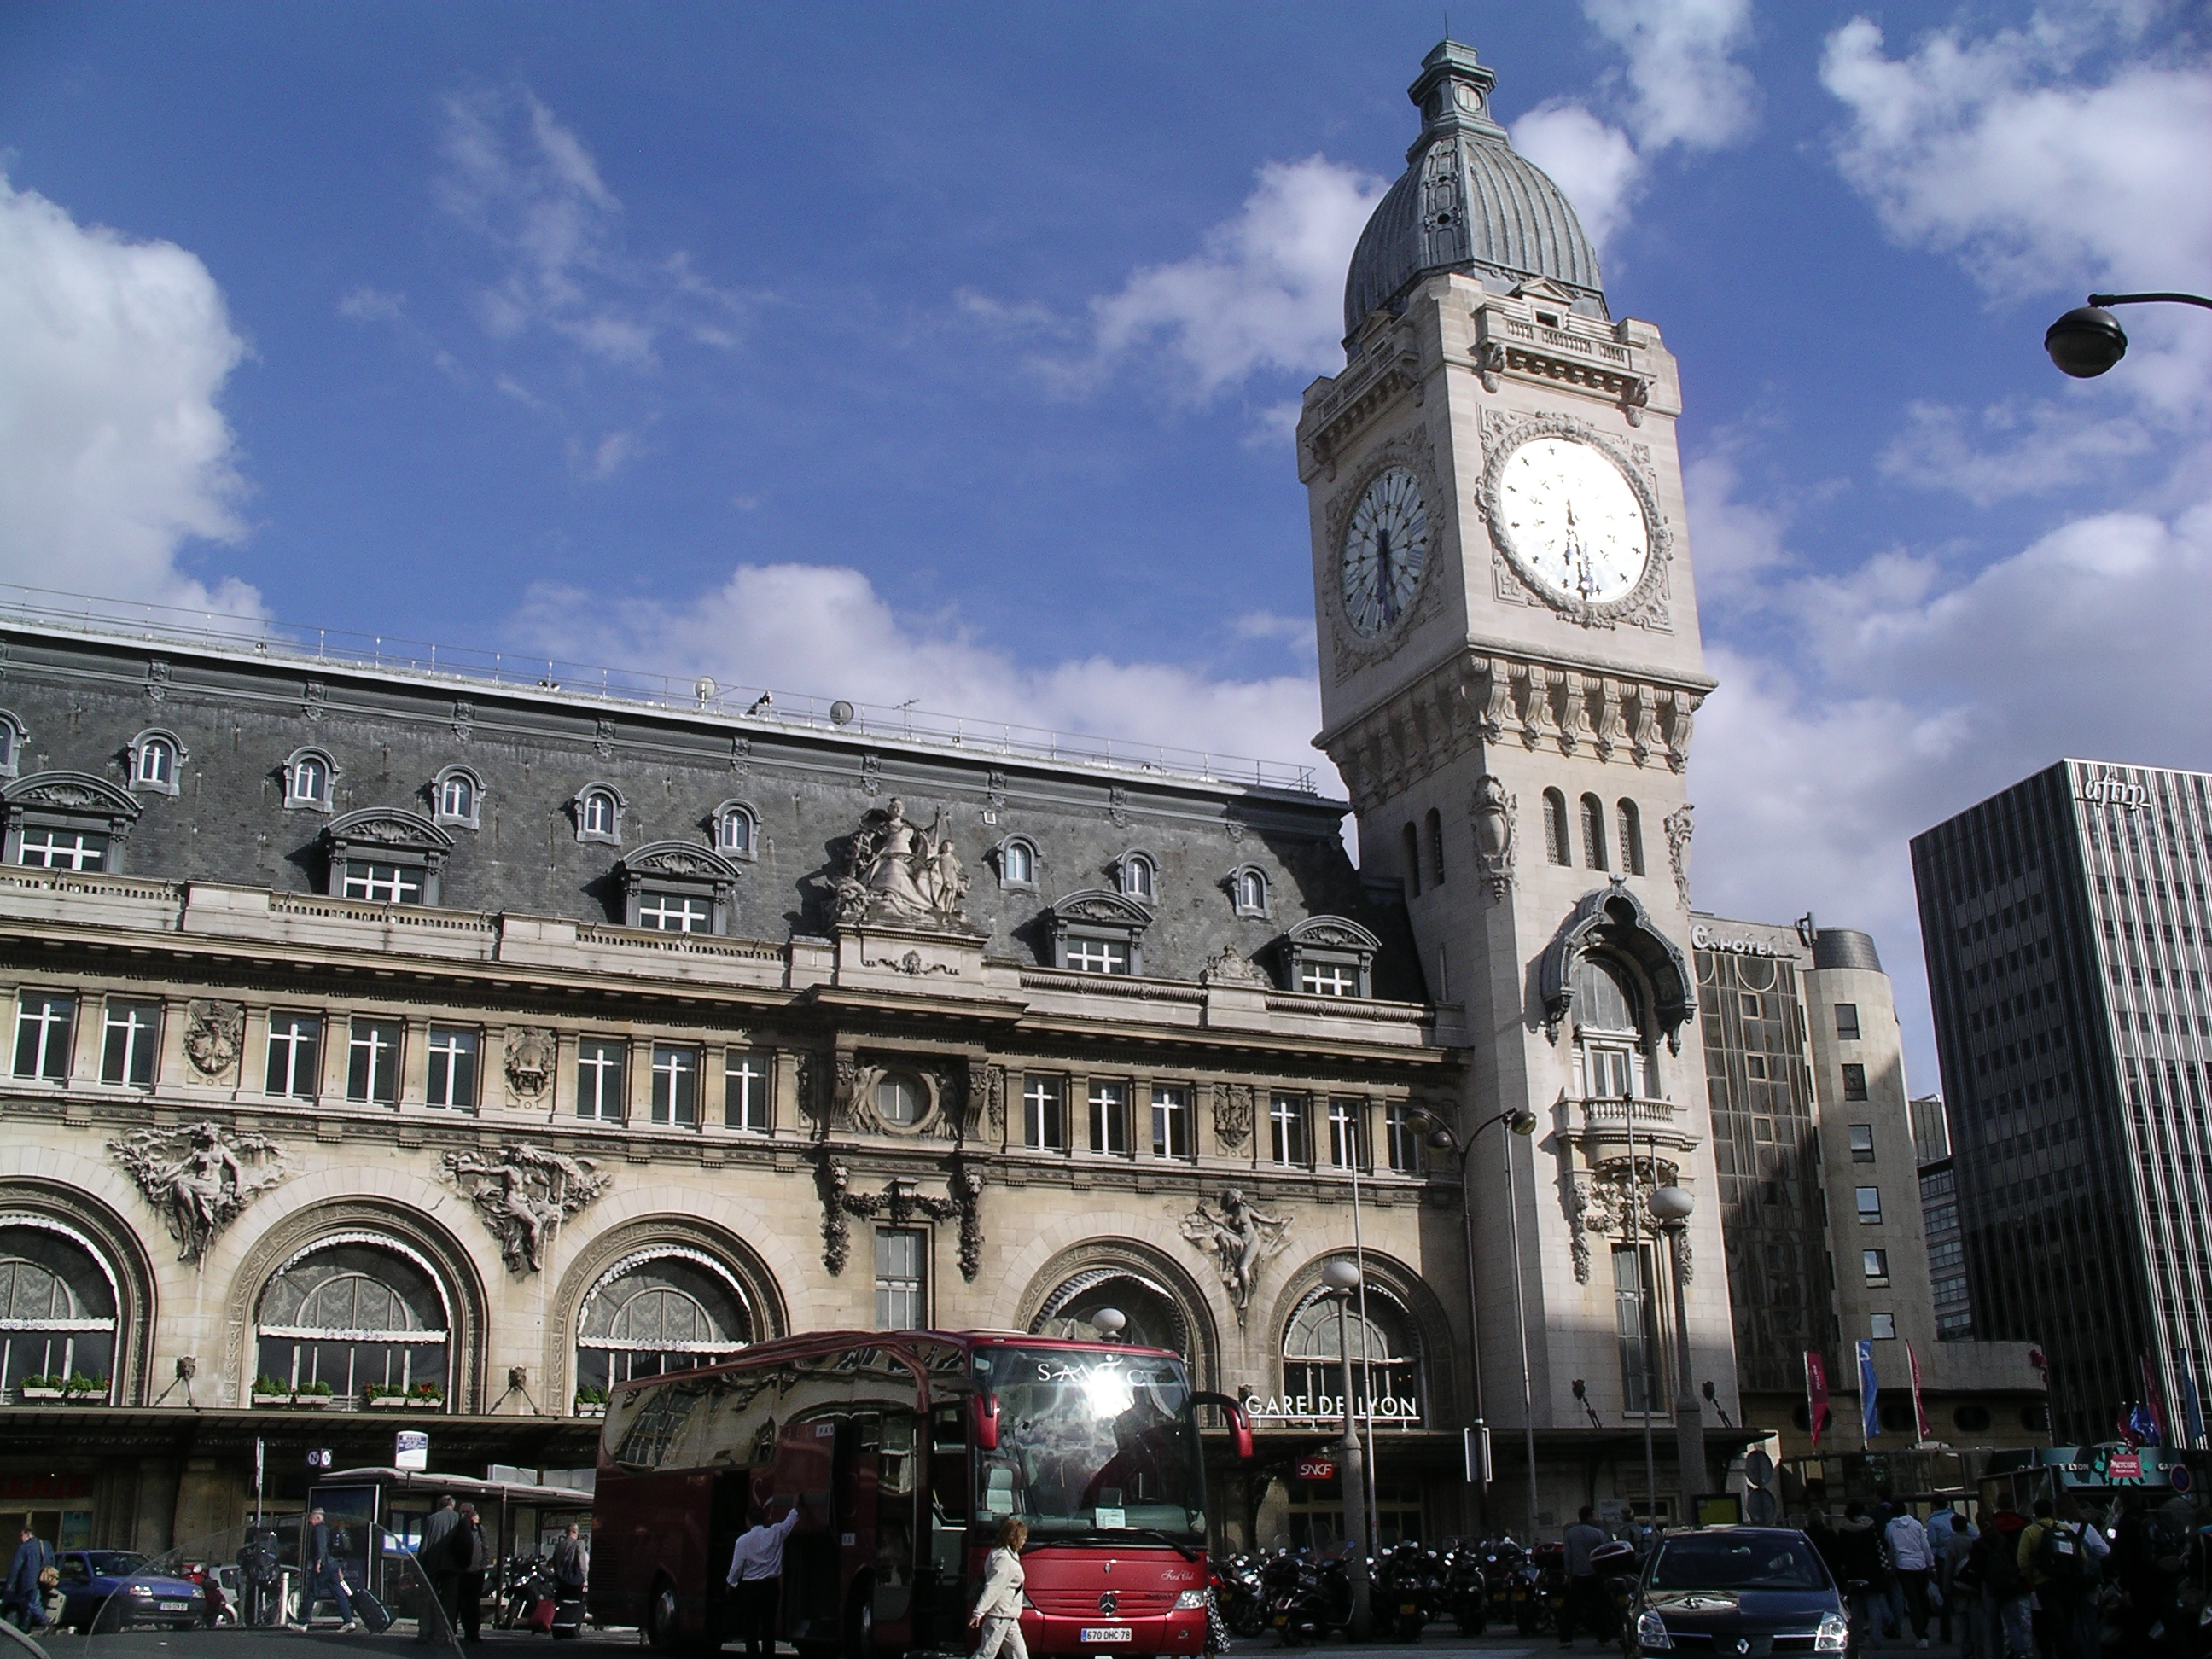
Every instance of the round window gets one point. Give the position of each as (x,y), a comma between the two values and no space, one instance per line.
(1972,1419)
(899,1099)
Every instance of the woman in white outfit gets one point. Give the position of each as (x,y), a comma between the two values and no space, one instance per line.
(997,1610)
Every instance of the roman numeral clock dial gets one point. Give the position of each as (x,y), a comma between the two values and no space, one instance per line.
(1386,547)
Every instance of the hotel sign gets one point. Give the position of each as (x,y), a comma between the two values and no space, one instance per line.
(2106,788)
(1704,939)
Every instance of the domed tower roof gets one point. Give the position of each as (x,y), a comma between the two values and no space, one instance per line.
(1468,201)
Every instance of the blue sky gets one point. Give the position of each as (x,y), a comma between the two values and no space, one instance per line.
(945,352)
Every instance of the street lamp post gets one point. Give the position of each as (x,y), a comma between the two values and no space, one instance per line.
(2088,339)
(1343,1278)
(1521,1122)
(1672,1205)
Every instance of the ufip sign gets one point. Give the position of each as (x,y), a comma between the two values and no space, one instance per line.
(2104,787)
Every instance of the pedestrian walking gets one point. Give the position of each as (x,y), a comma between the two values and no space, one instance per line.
(1910,1559)
(25,1601)
(1858,1551)
(472,1555)
(325,1577)
(997,1610)
(436,1558)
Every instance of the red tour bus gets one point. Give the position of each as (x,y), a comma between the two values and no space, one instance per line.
(905,1451)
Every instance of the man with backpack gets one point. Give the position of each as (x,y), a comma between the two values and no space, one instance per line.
(1861,1568)
(25,1601)
(1992,1571)
(2059,1557)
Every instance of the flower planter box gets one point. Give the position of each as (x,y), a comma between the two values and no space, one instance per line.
(314,1402)
(269,1400)
(591,1408)
(426,1405)
(84,1399)
(42,1394)
(385,1403)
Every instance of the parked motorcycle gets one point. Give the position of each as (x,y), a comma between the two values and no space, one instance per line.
(1404,1591)
(1238,1595)
(524,1580)
(1467,1592)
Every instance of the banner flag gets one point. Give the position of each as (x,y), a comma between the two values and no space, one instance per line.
(1816,1395)
(1919,1410)
(1869,1393)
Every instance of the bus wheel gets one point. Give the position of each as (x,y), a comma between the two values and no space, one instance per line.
(660,1618)
(861,1622)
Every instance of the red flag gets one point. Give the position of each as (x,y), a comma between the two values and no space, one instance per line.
(1919,1409)
(2154,1398)
(1816,1394)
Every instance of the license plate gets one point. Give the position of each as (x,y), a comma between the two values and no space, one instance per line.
(1408,1606)
(176,1606)
(1107,1633)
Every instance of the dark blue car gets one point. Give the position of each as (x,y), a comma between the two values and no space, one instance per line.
(113,1588)
(1739,1593)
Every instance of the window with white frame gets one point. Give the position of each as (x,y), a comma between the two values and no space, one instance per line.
(674,912)
(45,1026)
(902,1278)
(309,775)
(381,884)
(602,1064)
(296,1056)
(1044,1112)
(456,798)
(1099,956)
(677,887)
(1017,862)
(372,1048)
(1287,1140)
(1139,876)
(675,1085)
(1329,956)
(1344,1134)
(745,1077)
(131,1043)
(1171,1126)
(901,1101)
(1401,1127)
(454,1053)
(157,758)
(736,828)
(1110,1118)
(1328,979)
(381,856)
(597,809)
(49,848)
(1249,892)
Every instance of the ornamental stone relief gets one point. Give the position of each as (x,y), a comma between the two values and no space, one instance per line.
(1599,1203)
(899,1202)
(1241,1242)
(895,873)
(1493,812)
(1679,827)
(528,1062)
(522,1192)
(214,1032)
(1233,1106)
(200,1178)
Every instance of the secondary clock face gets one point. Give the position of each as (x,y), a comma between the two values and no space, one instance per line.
(1385,548)
(1572,522)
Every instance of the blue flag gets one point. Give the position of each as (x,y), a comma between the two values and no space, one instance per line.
(1869,1393)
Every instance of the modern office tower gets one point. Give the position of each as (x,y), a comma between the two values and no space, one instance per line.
(2063,921)
(1818,1161)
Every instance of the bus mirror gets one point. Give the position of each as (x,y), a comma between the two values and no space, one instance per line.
(985,1408)
(1240,1425)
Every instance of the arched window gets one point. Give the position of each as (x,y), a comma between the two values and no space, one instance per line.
(1412,861)
(668,1310)
(1153,1316)
(355,1313)
(56,1311)
(736,828)
(1436,846)
(1556,845)
(1248,888)
(1017,862)
(456,798)
(1386,1362)
(1608,1032)
(308,776)
(598,809)
(12,734)
(1139,876)
(1632,838)
(1594,834)
(156,758)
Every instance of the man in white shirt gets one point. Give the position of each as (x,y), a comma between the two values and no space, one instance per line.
(756,1576)
(1910,1559)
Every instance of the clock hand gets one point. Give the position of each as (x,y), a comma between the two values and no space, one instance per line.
(1382,578)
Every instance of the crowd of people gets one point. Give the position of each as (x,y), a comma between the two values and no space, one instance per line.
(2054,1583)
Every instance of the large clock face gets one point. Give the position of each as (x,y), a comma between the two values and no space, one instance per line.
(1572,522)
(1385,547)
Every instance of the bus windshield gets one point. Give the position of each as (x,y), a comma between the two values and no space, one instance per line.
(1093,1441)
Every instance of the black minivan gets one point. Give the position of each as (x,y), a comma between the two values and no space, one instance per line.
(1739,1593)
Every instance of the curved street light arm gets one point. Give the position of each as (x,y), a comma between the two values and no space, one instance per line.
(2151,299)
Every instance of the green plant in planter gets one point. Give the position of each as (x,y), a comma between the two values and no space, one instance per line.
(320,1390)
(590,1395)
(270,1385)
(429,1391)
(385,1391)
(44,1381)
(80,1383)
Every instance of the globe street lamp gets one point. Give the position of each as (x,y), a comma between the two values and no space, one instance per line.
(1342,1279)
(1521,1122)
(1671,1206)
(2088,340)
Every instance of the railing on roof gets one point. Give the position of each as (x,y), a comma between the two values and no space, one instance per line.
(750,707)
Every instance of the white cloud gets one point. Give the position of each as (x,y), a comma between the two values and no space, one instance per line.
(365,304)
(1685,86)
(1739,545)
(1595,164)
(1265,293)
(113,452)
(2007,452)
(2039,179)
(606,458)
(780,625)
(529,186)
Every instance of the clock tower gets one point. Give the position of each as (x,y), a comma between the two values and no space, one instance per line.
(1510,670)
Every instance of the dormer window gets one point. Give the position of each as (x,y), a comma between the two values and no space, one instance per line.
(1330,957)
(456,798)
(1017,859)
(1099,932)
(309,776)
(13,734)
(737,829)
(156,758)
(1249,892)
(597,809)
(380,855)
(67,821)
(678,887)
(1139,876)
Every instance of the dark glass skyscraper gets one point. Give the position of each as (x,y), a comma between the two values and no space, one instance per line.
(2064,922)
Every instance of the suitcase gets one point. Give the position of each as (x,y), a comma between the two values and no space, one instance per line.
(568,1618)
(375,1618)
(541,1614)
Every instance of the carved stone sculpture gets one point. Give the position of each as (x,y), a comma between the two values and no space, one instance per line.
(1679,829)
(899,1202)
(214,1034)
(1494,834)
(198,1177)
(1226,967)
(523,1193)
(1232,1114)
(897,873)
(1598,1204)
(1242,1240)
(529,1062)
